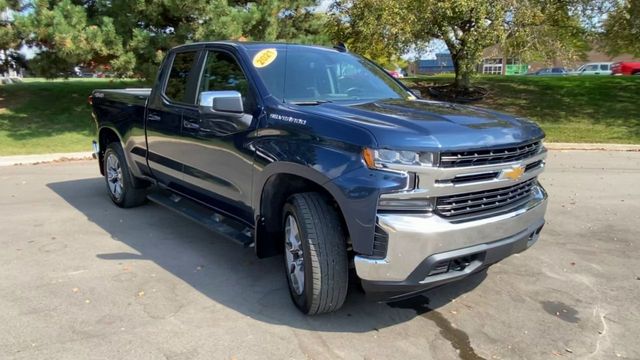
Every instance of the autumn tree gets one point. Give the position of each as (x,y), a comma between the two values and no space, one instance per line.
(467,27)
(622,29)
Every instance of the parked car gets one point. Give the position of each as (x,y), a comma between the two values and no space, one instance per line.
(398,74)
(320,156)
(625,68)
(556,71)
(601,68)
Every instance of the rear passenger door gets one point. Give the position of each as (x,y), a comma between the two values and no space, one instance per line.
(174,92)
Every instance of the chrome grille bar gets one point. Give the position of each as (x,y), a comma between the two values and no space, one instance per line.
(492,156)
(477,203)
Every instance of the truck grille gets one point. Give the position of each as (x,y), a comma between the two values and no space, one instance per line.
(475,204)
(486,157)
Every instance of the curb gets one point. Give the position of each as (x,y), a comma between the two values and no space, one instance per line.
(43,158)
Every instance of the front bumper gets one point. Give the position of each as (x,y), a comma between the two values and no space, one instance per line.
(420,244)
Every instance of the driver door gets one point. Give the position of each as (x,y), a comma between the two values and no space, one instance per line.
(218,166)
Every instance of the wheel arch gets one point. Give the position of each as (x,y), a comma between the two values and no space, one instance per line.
(275,187)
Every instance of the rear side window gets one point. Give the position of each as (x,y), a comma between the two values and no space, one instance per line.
(604,67)
(176,88)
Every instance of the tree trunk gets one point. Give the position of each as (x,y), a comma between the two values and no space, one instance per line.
(462,81)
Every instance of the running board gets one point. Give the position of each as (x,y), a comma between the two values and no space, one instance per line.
(205,216)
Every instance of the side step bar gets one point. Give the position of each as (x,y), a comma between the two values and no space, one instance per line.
(205,216)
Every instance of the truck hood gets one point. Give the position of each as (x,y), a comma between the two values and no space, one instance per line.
(423,124)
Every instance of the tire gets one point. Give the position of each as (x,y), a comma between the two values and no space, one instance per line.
(320,252)
(118,178)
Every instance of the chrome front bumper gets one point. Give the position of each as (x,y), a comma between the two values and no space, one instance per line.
(415,240)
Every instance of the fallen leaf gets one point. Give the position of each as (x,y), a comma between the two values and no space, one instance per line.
(75,290)
(87,301)
(568,350)
(141,294)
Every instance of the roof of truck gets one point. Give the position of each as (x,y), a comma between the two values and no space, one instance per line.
(249,44)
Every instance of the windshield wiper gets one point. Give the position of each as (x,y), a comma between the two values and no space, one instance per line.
(309,102)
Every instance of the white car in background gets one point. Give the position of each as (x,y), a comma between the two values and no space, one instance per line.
(600,68)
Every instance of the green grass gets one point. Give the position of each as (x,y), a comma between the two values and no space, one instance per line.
(40,116)
(598,109)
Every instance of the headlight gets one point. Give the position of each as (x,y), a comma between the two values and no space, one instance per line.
(384,158)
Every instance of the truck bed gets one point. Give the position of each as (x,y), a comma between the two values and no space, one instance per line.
(133,96)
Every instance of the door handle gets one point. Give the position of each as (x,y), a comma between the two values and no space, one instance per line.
(190,125)
(153,117)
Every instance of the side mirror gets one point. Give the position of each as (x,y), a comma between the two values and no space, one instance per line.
(212,102)
(417,93)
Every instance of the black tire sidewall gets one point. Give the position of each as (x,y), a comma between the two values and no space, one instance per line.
(304,300)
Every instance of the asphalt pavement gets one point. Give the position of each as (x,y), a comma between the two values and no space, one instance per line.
(83,279)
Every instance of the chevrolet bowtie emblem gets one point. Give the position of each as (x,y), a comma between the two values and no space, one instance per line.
(514,173)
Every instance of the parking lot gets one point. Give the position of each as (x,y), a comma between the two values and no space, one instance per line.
(82,279)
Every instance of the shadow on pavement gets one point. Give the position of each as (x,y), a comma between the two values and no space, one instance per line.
(227,273)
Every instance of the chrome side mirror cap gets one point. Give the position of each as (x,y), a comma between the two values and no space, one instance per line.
(211,102)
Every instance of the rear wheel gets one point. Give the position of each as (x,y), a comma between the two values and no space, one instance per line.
(315,254)
(119,181)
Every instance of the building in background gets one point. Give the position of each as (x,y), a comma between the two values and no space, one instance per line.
(441,64)
(495,62)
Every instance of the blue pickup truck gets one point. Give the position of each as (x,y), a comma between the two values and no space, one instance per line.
(319,156)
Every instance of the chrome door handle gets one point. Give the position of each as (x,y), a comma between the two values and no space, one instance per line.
(153,117)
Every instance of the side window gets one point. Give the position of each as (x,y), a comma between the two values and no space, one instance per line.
(592,67)
(604,67)
(176,88)
(223,73)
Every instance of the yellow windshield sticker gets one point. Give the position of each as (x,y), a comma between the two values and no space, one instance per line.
(264,57)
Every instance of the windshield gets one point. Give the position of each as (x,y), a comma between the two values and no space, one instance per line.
(298,74)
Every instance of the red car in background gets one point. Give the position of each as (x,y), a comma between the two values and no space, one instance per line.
(625,68)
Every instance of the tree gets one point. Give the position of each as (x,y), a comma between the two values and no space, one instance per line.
(10,39)
(66,38)
(467,27)
(622,29)
(132,37)
(376,29)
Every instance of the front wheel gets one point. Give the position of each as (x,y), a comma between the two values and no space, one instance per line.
(118,179)
(315,254)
